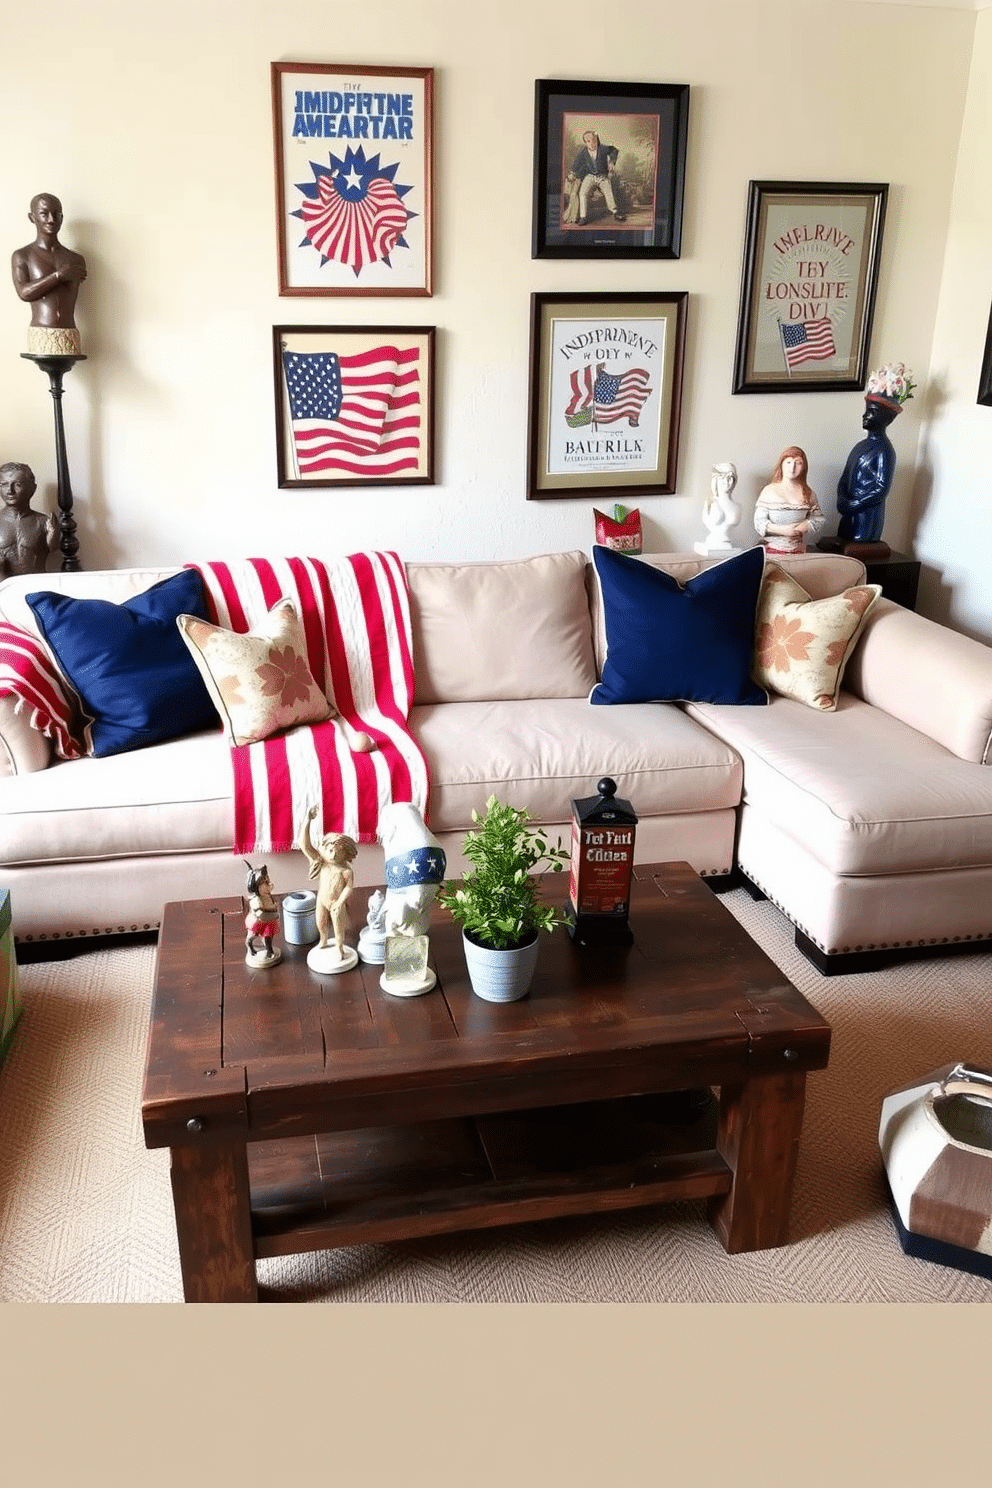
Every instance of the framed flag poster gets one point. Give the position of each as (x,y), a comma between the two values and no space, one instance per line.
(354,178)
(354,405)
(808,285)
(605,394)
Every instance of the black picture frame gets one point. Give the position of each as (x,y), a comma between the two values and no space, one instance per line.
(637,340)
(811,251)
(649,123)
(382,434)
(985,378)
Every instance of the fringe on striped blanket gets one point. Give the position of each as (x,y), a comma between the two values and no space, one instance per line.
(30,677)
(356,618)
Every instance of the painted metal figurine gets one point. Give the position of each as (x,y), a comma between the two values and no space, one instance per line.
(261,920)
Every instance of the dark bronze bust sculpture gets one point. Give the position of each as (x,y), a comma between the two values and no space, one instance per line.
(48,276)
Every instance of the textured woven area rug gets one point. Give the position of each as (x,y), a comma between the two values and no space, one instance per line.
(86,1209)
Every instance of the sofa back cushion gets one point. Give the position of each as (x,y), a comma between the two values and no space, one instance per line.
(488,632)
(128,664)
(673,642)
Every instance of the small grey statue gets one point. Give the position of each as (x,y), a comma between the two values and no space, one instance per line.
(26,536)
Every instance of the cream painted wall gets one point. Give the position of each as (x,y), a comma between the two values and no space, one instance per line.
(154,127)
(952,494)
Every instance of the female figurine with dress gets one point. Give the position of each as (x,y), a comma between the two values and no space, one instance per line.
(787,512)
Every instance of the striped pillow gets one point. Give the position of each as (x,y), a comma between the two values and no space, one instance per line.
(28,675)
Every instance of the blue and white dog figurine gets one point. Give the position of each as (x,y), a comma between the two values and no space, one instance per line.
(415,867)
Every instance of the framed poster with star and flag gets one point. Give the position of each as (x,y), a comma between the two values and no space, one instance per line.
(605,394)
(354,405)
(354,178)
(811,257)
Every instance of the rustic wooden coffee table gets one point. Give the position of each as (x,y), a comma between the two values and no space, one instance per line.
(307,1112)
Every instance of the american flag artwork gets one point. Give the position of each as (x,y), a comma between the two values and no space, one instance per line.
(356,415)
(807,341)
(353,210)
(603,397)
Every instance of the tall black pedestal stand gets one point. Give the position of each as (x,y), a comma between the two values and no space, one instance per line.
(57,367)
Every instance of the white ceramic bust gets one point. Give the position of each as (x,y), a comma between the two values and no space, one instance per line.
(721,512)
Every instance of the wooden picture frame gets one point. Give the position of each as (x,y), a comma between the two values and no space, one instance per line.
(808,286)
(354,178)
(985,377)
(354,405)
(641,131)
(605,394)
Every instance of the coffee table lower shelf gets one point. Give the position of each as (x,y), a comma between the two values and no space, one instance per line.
(394,1183)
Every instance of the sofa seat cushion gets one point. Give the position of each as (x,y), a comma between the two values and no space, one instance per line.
(862,792)
(543,755)
(169,798)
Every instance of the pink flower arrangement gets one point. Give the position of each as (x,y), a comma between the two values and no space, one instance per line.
(892,381)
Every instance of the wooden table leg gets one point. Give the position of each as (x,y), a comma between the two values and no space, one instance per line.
(213,1222)
(758,1138)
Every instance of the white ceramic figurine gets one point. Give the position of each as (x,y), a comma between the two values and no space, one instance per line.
(721,512)
(415,864)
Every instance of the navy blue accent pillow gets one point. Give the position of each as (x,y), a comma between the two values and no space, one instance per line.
(669,642)
(129,663)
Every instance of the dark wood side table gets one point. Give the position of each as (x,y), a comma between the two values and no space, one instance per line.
(899,576)
(897,573)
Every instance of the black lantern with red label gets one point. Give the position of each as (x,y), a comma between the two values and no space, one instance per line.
(603,829)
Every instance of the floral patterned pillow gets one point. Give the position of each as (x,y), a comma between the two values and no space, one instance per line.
(801,645)
(260,682)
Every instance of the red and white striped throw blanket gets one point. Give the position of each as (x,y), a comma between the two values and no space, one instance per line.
(356,617)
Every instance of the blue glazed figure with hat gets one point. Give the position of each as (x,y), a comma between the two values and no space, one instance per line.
(867,476)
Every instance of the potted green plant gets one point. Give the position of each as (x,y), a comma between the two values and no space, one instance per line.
(498,904)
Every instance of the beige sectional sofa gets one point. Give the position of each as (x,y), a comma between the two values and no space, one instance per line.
(871,827)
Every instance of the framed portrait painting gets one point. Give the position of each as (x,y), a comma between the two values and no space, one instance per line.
(609,169)
(354,178)
(808,285)
(605,394)
(354,405)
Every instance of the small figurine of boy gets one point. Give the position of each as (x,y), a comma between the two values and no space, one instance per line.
(261,921)
(26,536)
(330,862)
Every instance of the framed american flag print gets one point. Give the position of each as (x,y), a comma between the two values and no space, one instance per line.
(810,274)
(354,178)
(605,394)
(354,405)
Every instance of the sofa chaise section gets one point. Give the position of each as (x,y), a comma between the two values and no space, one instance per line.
(871,827)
